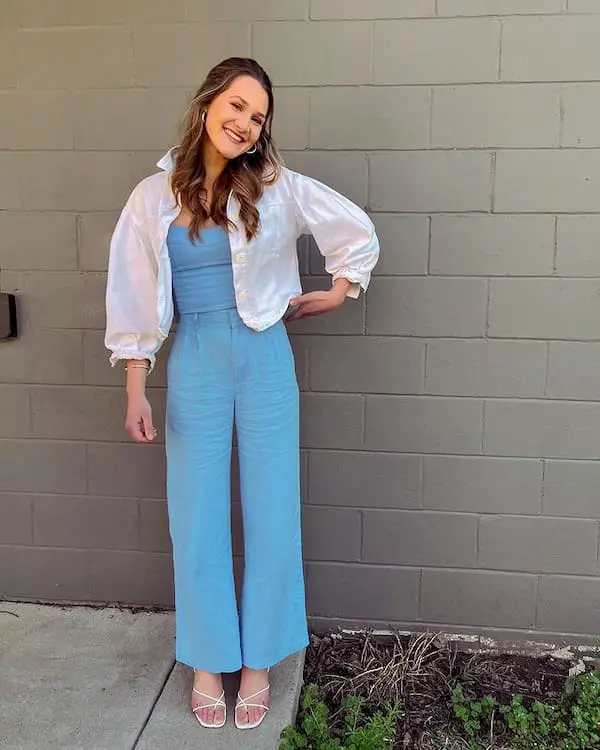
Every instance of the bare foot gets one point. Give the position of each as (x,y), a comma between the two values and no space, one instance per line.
(212,686)
(253,681)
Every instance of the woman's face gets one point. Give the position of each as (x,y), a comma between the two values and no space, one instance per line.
(236,117)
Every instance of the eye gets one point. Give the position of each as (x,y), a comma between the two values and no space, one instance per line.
(237,106)
(257,120)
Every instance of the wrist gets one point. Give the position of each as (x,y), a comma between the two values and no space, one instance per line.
(341,287)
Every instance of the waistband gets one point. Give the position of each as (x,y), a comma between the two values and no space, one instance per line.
(229,317)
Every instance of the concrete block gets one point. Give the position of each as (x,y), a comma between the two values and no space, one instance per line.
(36,120)
(578,246)
(482,485)
(318,541)
(364,480)
(157,11)
(154,526)
(43,356)
(427,307)
(9,71)
(301,349)
(331,421)
(42,574)
(10,188)
(366,364)
(95,232)
(424,425)
(544,308)
(291,122)
(404,244)
(541,429)
(431,51)
(469,597)
(545,545)
(104,58)
(144,578)
(251,10)
(498,116)
(344,172)
(128,120)
(39,13)
(370,117)
(492,245)
(85,522)
(303,54)
(420,538)
(118,470)
(571,488)
(356,9)
(16,519)
(573,370)
(59,466)
(581,119)
(87,413)
(15,411)
(192,49)
(498,7)
(360,590)
(486,368)
(424,181)
(550,48)
(558,181)
(38,241)
(52,180)
(569,604)
(582,6)
(81,299)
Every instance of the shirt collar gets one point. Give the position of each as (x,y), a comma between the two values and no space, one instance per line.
(167,162)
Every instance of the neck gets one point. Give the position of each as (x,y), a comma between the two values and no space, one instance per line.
(214,163)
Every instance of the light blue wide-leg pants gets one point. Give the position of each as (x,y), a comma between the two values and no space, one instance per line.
(221,371)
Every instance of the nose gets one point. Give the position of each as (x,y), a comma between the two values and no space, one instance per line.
(243,123)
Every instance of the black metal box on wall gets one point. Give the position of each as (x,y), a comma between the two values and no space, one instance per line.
(8,316)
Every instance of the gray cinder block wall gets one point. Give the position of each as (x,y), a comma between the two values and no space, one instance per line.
(451,425)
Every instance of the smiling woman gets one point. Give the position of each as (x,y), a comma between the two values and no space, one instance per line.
(214,235)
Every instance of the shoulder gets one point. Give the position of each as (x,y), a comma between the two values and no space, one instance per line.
(148,193)
(282,188)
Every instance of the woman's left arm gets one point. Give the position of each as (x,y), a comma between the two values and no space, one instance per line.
(345,236)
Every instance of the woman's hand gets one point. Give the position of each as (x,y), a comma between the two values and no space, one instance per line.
(138,421)
(318,303)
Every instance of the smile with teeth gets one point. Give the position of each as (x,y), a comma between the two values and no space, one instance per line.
(233,136)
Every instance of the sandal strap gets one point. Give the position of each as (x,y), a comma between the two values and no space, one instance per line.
(251,705)
(218,702)
(243,702)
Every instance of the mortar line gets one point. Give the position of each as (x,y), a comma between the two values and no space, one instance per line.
(153,706)
(542,488)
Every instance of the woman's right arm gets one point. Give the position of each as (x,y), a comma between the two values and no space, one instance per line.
(131,312)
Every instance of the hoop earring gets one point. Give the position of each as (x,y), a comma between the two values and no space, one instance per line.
(203,117)
(252,150)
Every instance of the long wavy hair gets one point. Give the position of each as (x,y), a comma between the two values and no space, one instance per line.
(246,175)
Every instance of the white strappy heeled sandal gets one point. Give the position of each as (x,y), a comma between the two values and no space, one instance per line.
(243,703)
(217,703)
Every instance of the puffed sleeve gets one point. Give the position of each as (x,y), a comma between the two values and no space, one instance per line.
(344,234)
(131,290)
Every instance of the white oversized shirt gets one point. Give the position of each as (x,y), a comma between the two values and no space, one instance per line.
(139,300)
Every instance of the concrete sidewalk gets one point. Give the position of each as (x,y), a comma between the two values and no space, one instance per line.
(80,678)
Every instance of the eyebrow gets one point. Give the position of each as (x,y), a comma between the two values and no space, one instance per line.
(237,96)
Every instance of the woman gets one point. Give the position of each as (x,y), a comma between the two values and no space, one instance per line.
(216,232)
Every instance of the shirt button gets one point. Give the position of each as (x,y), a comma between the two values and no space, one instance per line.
(240,258)
(241,296)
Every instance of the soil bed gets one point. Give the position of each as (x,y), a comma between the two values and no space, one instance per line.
(423,670)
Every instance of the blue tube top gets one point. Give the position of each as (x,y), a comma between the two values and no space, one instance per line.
(202,272)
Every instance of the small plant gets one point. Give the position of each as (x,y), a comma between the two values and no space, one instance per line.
(313,731)
(571,722)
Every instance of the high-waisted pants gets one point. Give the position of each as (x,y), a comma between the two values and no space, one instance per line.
(221,371)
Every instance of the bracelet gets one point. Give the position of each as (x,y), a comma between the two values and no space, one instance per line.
(137,367)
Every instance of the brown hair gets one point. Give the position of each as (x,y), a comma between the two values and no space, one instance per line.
(246,176)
